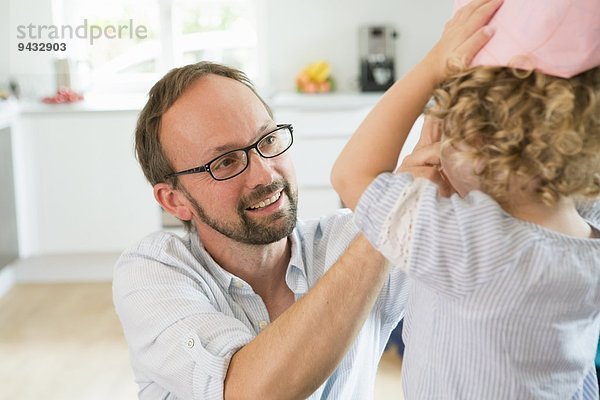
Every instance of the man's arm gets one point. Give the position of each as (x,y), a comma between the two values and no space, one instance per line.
(377,143)
(285,361)
(300,349)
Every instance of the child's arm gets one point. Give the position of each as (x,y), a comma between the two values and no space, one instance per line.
(590,210)
(376,145)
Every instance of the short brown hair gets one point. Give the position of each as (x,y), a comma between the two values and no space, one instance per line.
(162,96)
(526,124)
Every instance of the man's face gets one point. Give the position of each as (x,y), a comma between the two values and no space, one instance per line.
(213,116)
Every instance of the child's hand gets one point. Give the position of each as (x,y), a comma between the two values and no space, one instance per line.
(464,35)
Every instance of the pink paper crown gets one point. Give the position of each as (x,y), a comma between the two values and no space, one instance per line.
(556,37)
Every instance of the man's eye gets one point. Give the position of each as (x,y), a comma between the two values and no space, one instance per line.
(269,143)
(227,162)
(269,140)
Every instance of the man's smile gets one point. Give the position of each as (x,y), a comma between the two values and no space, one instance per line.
(266,202)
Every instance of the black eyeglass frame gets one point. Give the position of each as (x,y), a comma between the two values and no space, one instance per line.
(206,167)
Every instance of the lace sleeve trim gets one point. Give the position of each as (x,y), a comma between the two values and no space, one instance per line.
(395,239)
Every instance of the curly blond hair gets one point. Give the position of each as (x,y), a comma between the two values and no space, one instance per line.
(540,129)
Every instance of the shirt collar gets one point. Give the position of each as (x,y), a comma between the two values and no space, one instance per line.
(295,276)
(221,276)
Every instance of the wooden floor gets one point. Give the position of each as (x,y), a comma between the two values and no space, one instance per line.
(64,342)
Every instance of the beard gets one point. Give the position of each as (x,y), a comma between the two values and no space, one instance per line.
(247,230)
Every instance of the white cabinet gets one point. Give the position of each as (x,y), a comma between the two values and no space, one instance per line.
(9,244)
(323,124)
(81,188)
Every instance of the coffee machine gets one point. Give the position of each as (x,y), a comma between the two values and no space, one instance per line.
(377,52)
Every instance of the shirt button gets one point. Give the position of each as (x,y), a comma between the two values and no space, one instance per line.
(190,343)
(263,324)
(238,284)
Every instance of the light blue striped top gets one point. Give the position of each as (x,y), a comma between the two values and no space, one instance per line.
(498,308)
(184,316)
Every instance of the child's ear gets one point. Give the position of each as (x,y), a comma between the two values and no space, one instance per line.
(173,201)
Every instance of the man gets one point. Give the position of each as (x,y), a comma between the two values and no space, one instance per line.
(250,304)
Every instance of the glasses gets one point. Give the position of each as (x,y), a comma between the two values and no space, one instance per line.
(234,162)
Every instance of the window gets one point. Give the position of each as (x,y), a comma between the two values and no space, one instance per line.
(176,32)
(221,31)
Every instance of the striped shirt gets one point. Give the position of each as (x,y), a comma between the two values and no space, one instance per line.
(498,308)
(184,316)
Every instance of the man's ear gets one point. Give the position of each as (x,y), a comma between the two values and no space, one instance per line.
(173,201)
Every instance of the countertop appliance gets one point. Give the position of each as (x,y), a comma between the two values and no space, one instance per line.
(377,57)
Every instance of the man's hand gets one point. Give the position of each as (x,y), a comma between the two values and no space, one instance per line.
(424,161)
(431,132)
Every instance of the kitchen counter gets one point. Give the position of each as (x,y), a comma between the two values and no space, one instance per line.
(91,103)
(135,102)
(324,101)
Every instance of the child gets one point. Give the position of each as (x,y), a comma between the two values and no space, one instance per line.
(504,298)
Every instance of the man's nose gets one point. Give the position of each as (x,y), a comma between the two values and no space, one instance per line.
(260,170)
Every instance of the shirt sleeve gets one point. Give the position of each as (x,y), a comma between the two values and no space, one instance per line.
(452,244)
(336,233)
(590,210)
(177,337)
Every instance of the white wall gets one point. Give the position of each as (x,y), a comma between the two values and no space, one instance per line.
(295,33)
(4,31)
(299,32)
(81,168)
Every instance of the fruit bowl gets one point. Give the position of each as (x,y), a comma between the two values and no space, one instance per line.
(315,78)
